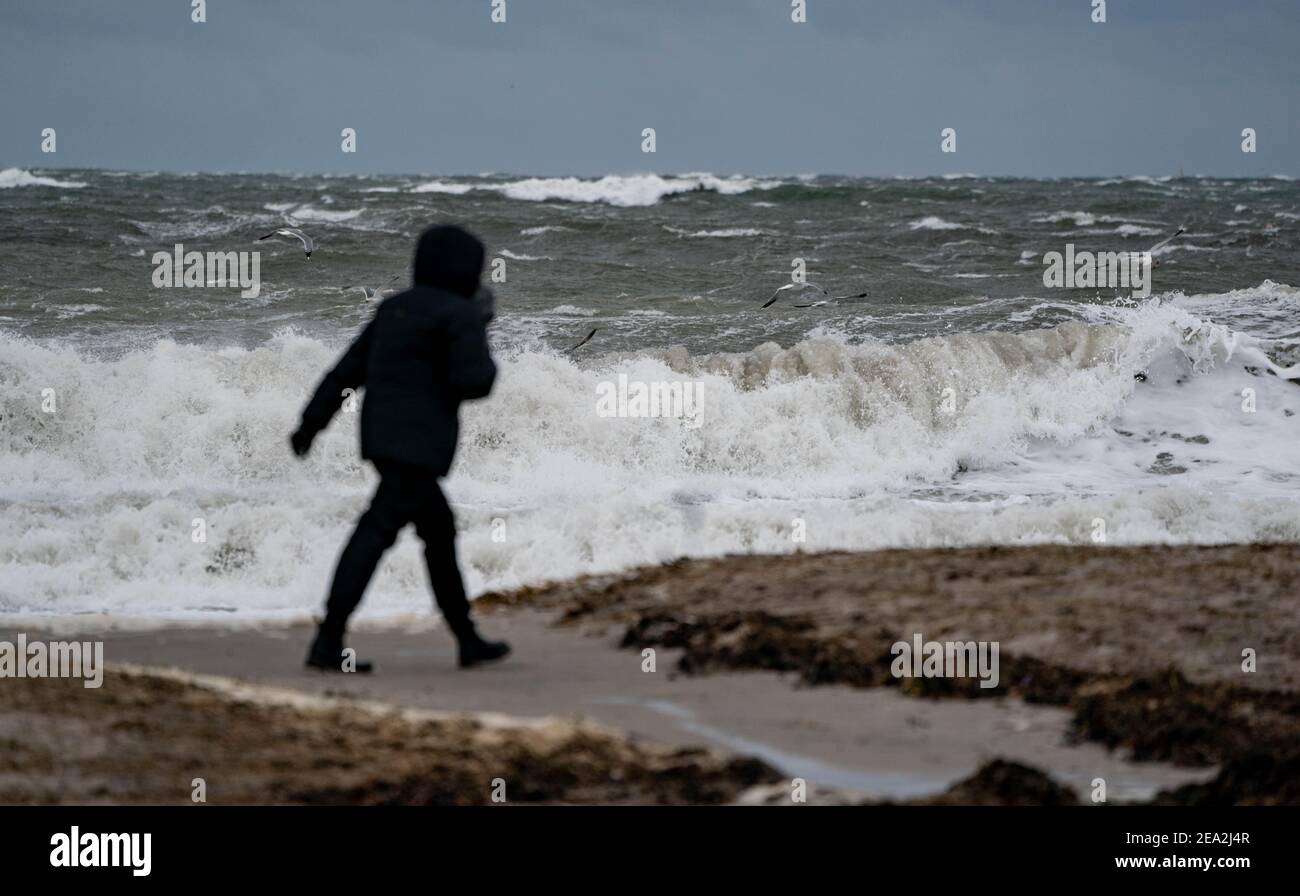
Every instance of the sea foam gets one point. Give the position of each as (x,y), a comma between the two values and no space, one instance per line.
(1135,417)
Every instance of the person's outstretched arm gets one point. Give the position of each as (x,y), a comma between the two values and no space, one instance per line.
(470,369)
(348,373)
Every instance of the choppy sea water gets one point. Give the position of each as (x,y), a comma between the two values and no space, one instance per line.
(960,401)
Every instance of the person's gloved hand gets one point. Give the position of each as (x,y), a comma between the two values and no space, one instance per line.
(300,442)
(487,304)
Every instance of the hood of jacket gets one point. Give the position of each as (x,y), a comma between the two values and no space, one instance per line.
(449,258)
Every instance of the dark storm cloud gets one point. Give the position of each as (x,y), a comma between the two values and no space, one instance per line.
(566,86)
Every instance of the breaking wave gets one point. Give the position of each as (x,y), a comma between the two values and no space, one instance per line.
(618,190)
(1137,417)
(17,177)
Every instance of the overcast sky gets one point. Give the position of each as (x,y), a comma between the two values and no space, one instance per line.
(1032,87)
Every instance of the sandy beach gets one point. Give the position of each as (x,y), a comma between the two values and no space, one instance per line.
(1117,663)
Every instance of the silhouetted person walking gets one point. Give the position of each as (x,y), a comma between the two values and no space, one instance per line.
(424,353)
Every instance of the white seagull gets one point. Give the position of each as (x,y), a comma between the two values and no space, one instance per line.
(307,242)
(805,289)
(379,292)
(1162,244)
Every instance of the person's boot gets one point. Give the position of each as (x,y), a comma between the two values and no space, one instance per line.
(475,650)
(326,653)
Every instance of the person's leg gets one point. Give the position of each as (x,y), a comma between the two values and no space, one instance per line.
(436,526)
(390,509)
(375,533)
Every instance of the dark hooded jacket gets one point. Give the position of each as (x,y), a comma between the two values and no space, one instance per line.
(424,352)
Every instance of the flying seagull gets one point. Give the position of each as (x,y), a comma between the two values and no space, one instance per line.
(378,292)
(569,351)
(307,242)
(799,286)
(803,288)
(1164,242)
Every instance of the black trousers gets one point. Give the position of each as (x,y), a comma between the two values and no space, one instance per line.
(406,494)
